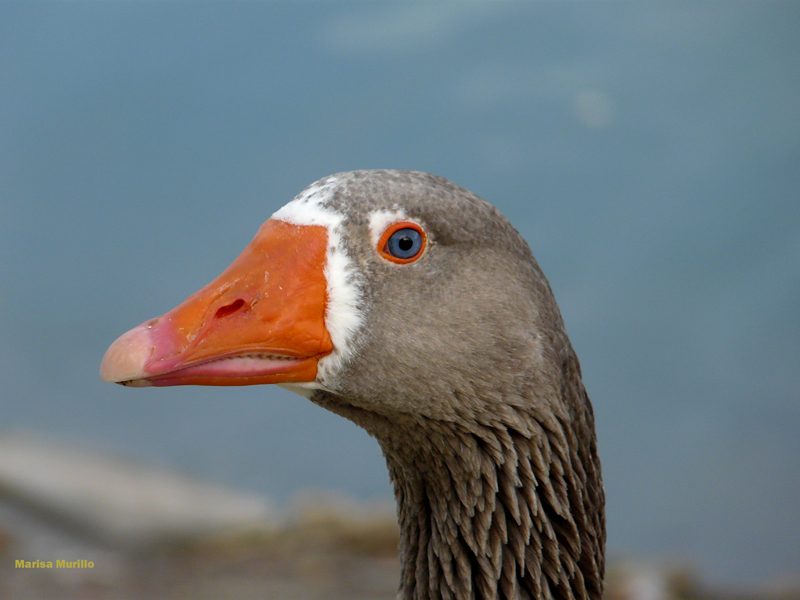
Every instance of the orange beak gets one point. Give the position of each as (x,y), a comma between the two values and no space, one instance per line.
(261,321)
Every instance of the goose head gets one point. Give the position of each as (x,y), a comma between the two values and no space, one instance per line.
(412,307)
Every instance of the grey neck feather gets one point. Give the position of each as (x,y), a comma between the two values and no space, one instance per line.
(499,504)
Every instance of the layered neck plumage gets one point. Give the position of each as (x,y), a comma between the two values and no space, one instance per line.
(498,504)
(493,512)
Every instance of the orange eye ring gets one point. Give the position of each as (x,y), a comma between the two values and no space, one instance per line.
(406,246)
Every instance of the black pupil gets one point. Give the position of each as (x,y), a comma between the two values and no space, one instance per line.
(405,243)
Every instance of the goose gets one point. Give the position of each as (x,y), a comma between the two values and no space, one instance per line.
(412,307)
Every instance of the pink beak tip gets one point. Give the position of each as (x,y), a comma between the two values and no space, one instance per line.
(126,358)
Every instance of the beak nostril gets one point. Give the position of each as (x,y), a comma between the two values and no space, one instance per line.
(229,309)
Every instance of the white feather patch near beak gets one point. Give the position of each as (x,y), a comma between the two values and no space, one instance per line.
(343,316)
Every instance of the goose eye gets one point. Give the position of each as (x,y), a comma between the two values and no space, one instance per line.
(402,242)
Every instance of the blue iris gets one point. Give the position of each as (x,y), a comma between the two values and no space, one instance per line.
(404,243)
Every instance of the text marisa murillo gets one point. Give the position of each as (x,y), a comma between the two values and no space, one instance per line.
(59,564)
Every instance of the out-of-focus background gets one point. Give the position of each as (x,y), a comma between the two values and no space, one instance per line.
(649,153)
